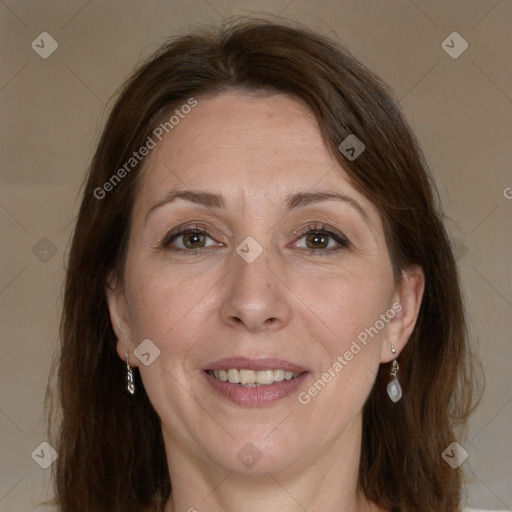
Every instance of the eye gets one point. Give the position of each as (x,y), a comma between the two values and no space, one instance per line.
(188,239)
(319,238)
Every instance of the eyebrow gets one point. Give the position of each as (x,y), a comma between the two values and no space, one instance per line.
(195,196)
(302,199)
(292,202)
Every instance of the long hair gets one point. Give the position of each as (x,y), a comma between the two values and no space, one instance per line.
(110,446)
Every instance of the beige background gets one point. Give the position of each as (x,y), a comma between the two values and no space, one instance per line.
(51,112)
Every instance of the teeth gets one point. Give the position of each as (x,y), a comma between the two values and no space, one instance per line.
(265,377)
(251,378)
(279,375)
(233,376)
(247,377)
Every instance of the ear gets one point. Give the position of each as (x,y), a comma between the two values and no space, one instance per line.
(406,303)
(120,316)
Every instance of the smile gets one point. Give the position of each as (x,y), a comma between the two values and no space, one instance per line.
(254,382)
(251,378)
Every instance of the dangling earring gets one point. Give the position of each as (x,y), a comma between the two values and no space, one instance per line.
(394,389)
(130,386)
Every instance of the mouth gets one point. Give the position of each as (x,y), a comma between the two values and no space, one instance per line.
(254,382)
(250,378)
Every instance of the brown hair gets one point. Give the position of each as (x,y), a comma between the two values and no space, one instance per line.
(111,452)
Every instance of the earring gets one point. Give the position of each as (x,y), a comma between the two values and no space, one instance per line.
(130,386)
(394,389)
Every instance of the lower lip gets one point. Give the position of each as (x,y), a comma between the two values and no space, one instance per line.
(257,396)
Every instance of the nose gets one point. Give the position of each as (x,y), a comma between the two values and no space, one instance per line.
(255,298)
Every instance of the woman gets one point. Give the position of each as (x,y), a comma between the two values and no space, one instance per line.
(262,308)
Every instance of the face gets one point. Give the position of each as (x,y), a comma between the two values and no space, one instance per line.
(250,252)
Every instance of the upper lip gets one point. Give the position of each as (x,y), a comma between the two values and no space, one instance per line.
(255,364)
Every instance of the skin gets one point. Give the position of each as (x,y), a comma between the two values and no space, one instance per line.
(300,300)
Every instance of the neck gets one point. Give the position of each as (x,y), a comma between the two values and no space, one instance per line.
(327,482)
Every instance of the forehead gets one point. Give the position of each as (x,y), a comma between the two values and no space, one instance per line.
(247,147)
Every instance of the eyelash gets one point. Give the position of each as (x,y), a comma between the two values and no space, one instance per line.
(313,229)
(322,229)
(180,231)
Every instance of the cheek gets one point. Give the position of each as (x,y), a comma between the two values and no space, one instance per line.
(344,315)
(169,307)
(341,307)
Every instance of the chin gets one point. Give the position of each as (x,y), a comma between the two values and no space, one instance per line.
(257,454)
